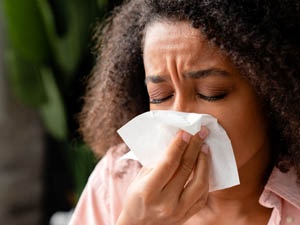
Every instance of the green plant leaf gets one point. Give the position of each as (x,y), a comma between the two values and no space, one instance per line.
(53,111)
(69,48)
(25,80)
(102,4)
(26,29)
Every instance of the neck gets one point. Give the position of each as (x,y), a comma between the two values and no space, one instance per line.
(245,195)
(241,202)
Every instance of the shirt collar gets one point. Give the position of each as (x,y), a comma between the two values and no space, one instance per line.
(283,185)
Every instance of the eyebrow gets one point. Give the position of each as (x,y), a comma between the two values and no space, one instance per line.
(157,79)
(193,74)
(205,73)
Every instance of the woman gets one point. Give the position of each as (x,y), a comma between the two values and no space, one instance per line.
(239,62)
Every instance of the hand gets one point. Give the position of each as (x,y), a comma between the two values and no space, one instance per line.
(175,189)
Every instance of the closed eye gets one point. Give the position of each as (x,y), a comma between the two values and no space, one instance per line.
(161,100)
(212,98)
(204,97)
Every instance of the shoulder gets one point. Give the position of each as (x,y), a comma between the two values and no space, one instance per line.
(111,178)
(102,198)
(112,167)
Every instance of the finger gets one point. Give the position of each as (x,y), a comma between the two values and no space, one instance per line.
(198,187)
(187,164)
(166,168)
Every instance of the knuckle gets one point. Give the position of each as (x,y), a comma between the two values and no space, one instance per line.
(145,196)
(202,186)
(197,141)
(180,145)
(202,161)
(203,158)
(200,203)
(164,211)
(196,207)
(178,154)
(187,167)
(203,168)
(171,162)
(190,159)
(203,196)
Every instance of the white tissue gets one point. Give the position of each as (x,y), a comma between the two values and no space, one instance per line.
(149,134)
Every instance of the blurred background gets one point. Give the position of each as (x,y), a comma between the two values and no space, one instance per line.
(45,57)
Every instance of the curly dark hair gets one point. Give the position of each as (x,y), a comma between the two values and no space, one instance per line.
(259,37)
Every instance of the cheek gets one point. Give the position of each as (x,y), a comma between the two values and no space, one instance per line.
(245,126)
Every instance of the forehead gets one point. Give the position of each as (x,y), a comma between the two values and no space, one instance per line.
(171,34)
(163,28)
(179,41)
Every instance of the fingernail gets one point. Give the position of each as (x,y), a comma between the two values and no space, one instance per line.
(204,148)
(186,136)
(203,133)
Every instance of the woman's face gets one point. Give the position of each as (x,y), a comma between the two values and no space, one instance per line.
(184,73)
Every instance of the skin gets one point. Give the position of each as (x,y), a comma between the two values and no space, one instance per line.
(185,73)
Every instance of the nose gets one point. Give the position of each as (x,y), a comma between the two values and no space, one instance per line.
(184,104)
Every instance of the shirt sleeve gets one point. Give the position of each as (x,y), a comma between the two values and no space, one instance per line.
(101,201)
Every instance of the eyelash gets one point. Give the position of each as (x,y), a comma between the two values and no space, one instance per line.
(212,98)
(207,98)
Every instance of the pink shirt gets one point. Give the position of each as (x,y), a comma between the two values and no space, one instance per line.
(102,199)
